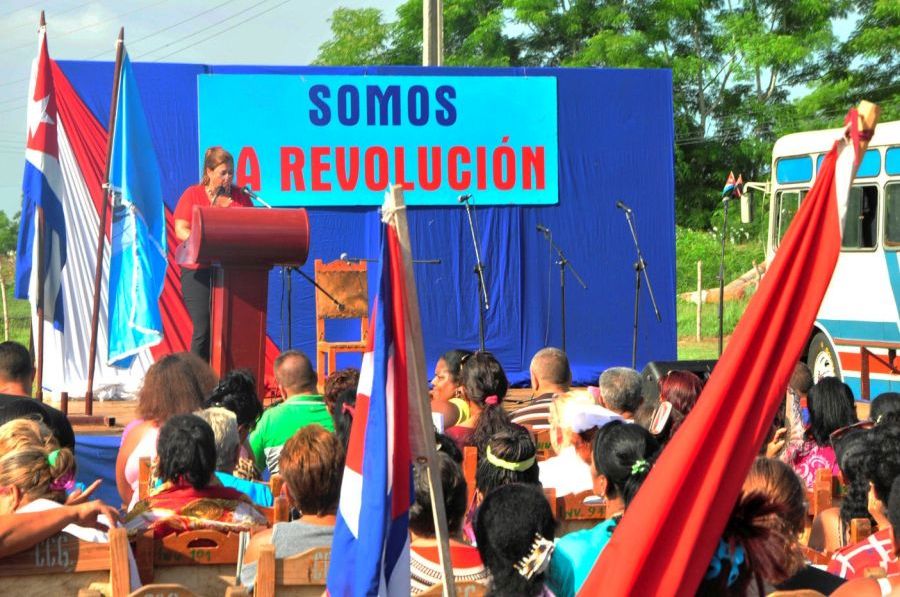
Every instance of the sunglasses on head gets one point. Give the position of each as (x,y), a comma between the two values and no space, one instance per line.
(837,434)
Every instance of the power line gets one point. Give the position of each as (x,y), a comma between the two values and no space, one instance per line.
(204,29)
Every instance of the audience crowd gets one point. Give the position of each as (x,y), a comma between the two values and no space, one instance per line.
(212,446)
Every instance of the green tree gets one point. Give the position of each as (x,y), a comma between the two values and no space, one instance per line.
(9,231)
(359,36)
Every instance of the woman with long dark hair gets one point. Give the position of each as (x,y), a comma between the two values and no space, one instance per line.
(485,386)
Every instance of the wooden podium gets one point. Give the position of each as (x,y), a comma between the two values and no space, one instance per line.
(242,245)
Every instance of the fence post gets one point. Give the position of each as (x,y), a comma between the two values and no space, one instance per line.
(699,294)
(5,307)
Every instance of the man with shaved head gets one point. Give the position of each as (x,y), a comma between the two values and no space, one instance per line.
(550,375)
(303,405)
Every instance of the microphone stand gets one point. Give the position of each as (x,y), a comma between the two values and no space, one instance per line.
(337,303)
(563,263)
(640,267)
(722,272)
(483,304)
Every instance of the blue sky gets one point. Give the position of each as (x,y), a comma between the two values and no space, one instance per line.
(275,32)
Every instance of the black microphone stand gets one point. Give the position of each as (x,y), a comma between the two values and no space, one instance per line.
(640,267)
(337,303)
(563,263)
(725,203)
(483,304)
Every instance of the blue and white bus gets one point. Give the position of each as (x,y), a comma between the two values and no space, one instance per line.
(857,330)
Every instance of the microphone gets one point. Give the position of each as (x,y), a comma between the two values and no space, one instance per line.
(623,207)
(464,198)
(543,229)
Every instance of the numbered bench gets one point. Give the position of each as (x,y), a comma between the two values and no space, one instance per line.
(302,574)
(64,565)
(579,511)
(202,560)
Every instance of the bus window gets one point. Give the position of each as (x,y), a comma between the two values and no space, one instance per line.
(862,221)
(788,203)
(892,216)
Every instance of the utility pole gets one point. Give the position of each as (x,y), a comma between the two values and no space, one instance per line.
(433,33)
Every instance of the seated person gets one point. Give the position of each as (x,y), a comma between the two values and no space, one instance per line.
(237,393)
(877,550)
(831,527)
(16,380)
(573,419)
(678,393)
(776,482)
(622,457)
(869,584)
(515,530)
(423,550)
(484,388)
(170,388)
(831,407)
(312,466)
(342,413)
(447,398)
(21,530)
(225,428)
(550,375)
(35,474)
(620,391)
(190,496)
(303,405)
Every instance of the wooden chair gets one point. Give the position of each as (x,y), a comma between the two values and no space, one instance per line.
(202,561)
(279,512)
(543,448)
(349,284)
(305,573)
(550,494)
(463,589)
(144,474)
(816,558)
(64,565)
(577,511)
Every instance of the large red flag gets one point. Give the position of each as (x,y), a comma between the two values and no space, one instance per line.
(666,538)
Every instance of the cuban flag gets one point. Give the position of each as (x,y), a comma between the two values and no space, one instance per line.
(729,187)
(138,240)
(663,546)
(43,190)
(370,552)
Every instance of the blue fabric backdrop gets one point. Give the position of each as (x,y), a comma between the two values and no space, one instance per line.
(615,143)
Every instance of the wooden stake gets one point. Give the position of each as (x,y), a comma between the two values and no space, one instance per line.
(418,384)
(101,230)
(699,295)
(5,305)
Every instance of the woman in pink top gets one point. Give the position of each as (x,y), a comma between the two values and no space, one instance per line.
(215,190)
(170,388)
(831,407)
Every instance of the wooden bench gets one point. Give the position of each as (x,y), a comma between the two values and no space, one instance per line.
(202,560)
(64,565)
(543,447)
(577,511)
(302,574)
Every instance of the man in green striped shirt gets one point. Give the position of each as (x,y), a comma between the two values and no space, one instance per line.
(302,406)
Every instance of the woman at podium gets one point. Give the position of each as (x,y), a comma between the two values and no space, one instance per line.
(215,190)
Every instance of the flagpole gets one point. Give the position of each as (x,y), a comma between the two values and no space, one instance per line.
(416,383)
(39,307)
(101,233)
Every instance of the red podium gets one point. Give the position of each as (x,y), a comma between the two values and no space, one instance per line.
(242,245)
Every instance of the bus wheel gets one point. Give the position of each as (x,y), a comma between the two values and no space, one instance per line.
(823,360)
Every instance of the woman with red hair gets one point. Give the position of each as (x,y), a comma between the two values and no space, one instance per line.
(678,393)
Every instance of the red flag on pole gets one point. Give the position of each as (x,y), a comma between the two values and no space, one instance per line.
(668,534)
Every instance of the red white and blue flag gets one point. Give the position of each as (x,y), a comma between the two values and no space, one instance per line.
(64,168)
(370,552)
(42,189)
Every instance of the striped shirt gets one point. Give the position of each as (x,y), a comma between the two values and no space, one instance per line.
(876,551)
(427,571)
(536,415)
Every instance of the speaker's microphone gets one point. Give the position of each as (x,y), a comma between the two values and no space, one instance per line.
(623,207)
(542,228)
(464,198)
